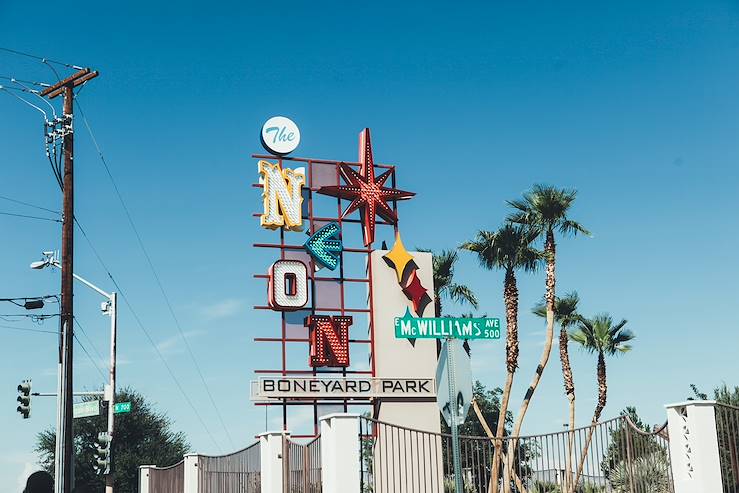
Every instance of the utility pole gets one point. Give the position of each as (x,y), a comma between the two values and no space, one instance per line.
(65,435)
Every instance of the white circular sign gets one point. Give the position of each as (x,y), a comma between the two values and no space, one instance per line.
(280,135)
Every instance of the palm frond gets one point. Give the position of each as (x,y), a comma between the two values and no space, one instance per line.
(460,293)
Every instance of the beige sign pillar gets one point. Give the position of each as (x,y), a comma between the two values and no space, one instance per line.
(694,451)
(399,358)
(270,456)
(340,467)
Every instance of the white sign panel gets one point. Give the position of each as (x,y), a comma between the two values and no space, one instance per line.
(342,388)
(280,135)
(462,372)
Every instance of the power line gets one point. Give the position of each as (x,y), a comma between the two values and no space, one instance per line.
(2,197)
(146,333)
(14,79)
(40,58)
(24,329)
(25,216)
(92,344)
(88,356)
(154,272)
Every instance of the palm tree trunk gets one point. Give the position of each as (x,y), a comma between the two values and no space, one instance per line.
(510,297)
(602,398)
(569,383)
(549,252)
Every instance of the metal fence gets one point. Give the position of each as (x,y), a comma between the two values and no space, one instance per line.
(727,433)
(239,472)
(302,466)
(167,479)
(614,456)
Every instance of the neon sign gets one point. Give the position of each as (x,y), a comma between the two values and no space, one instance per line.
(283,197)
(288,285)
(325,246)
(329,340)
(368,193)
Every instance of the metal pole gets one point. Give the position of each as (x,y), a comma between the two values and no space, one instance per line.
(67,309)
(451,346)
(111,404)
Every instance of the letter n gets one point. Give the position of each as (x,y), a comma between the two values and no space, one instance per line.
(329,340)
(283,197)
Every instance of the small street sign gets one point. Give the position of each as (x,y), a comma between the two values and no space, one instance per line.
(122,407)
(410,327)
(86,409)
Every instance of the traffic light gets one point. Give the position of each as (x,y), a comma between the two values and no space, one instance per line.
(24,398)
(102,454)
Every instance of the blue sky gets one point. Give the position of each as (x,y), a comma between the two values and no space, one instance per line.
(633,104)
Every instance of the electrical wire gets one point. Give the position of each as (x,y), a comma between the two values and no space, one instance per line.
(153,271)
(41,59)
(3,197)
(147,334)
(25,216)
(13,79)
(24,329)
(84,349)
(9,89)
(92,344)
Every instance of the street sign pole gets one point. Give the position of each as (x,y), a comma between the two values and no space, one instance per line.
(454,412)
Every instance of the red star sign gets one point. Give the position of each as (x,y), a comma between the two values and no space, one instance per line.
(367,193)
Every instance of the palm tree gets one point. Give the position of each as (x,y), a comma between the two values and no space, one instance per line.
(509,249)
(599,335)
(444,283)
(543,209)
(566,315)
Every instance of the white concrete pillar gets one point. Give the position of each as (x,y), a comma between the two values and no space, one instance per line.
(340,467)
(694,447)
(270,454)
(144,478)
(191,473)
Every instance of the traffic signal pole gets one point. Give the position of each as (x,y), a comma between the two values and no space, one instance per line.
(65,435)
(111,401)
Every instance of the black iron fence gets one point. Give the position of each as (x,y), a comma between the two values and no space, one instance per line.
(614,456)
(167,479)
(301,466)
(727,433)
(239,472)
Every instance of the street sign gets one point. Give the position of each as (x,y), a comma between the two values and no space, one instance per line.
(86,409)
(410,327)
(461,385)
(122,407)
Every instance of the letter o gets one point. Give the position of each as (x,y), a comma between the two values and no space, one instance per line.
(288,285)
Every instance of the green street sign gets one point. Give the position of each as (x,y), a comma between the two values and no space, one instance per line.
(409,327)
(86,409)
(122,407)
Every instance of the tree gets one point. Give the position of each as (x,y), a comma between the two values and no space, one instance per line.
(600,336)
(638,444)
(489,404)
(144,436)
(445,285)
(566,315)
(508,249)
(543,210)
